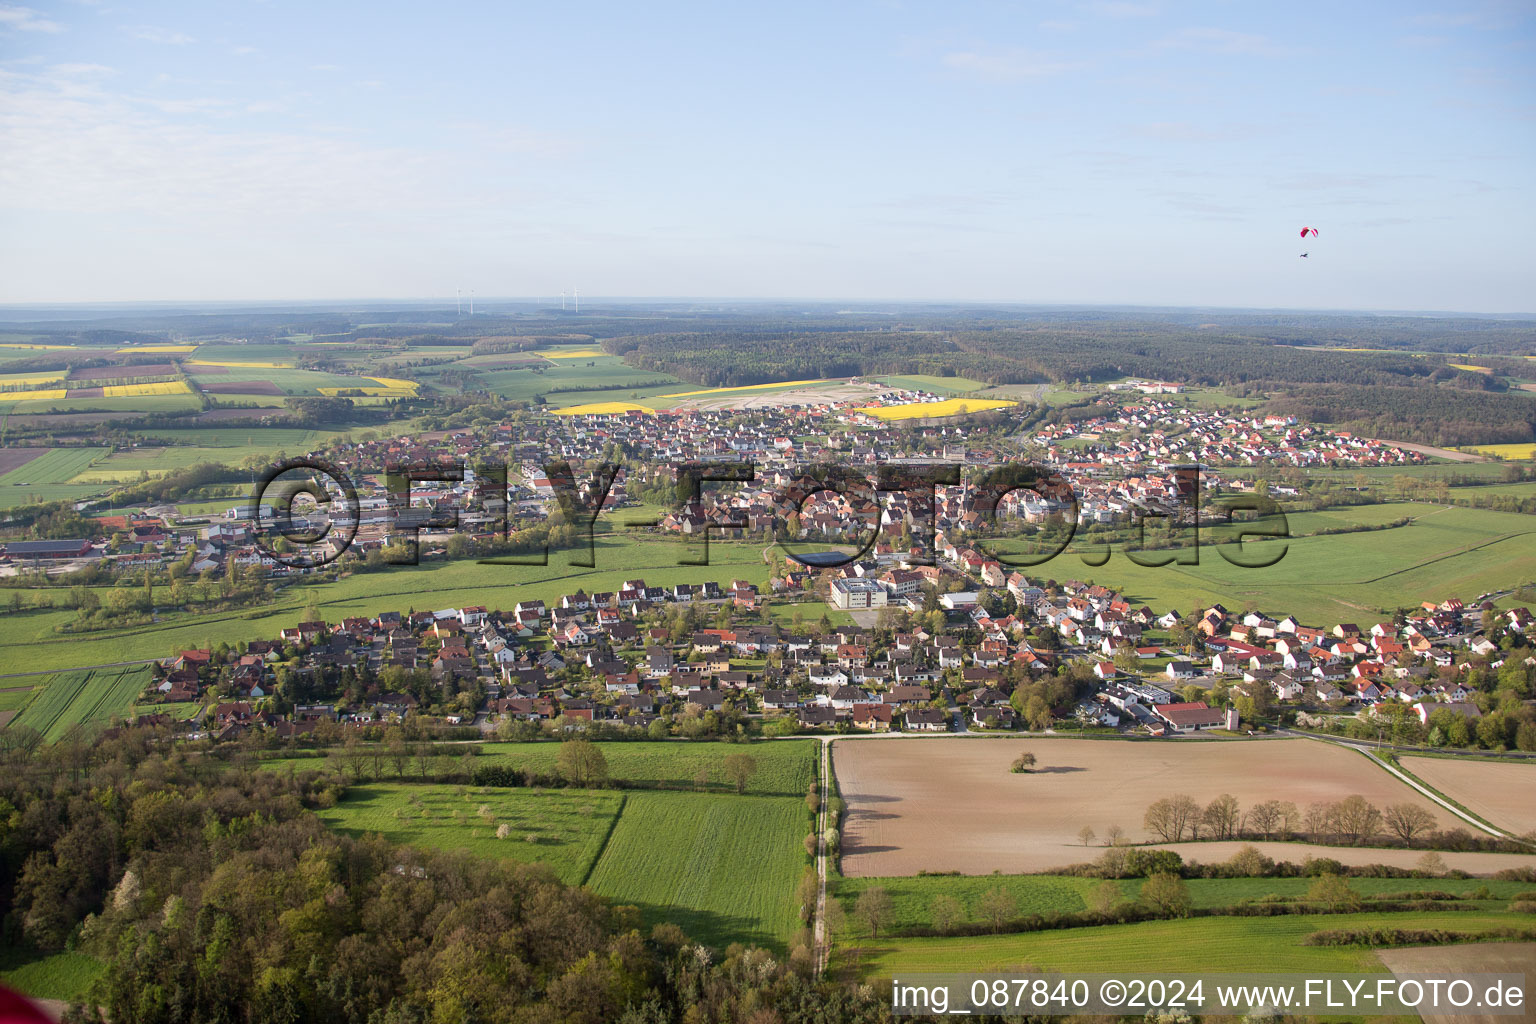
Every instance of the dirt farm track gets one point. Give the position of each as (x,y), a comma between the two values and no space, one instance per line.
(953,805)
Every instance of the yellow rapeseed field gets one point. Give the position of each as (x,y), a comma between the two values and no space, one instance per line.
(745,387)
(1506,451)
(927,410)
(17,344)
(599,408)
(165,387)
(580,353)
(396,382)
(26,396)
(155,348)
(1469,366)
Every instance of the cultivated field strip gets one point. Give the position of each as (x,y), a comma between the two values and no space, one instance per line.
(723,868)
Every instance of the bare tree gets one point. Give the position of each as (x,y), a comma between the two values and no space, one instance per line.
(1170,817)
(1222,817)
(1406,820)
(740,768)
(1104,897)
(1086,835)
(873,909)
(945,912)
(1357,818)
(1114,835)
(998,907)
(1264,817)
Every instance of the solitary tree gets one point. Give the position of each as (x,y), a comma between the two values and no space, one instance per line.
(873,909)
(1086,835)
(1024,762)
(945,912)
(740,768)
(1406,820)
(1166,891)
(1333,892)
(998,907)
(582,763)
(1104,897)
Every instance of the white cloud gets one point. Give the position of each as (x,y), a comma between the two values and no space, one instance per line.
(25,19)
(161,36)
(1221,40)
(1009,65)
(74,147)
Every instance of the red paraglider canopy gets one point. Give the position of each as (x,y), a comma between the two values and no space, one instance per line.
(1308,231)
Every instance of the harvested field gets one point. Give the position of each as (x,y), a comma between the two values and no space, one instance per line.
(952,804)
(1501,794)
(85,393)
(1451,961)
(241,387)
(15,458)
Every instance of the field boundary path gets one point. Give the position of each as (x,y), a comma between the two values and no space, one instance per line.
(819,933)
(1425,790)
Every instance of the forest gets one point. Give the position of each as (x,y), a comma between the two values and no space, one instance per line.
(213,894)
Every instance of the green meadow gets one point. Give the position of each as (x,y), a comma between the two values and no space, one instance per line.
(723,868)
(32,635)
(1322,579)
(912,897)
(1257,944)
(561,828)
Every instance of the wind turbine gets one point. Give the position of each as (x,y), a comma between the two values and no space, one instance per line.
(576,294)
(562,300)
(458,301)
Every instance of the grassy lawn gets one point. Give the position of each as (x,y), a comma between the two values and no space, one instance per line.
(723,868)
(933,384)
(568,826)
(1256,944)
(63,975)
(1326,579)
(784,768)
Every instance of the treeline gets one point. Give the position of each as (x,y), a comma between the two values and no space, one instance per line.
(1353,820)
(214,895)
(1443,416)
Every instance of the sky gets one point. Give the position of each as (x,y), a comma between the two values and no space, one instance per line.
(1055,151)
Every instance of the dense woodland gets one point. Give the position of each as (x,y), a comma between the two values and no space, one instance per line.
(213,895)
